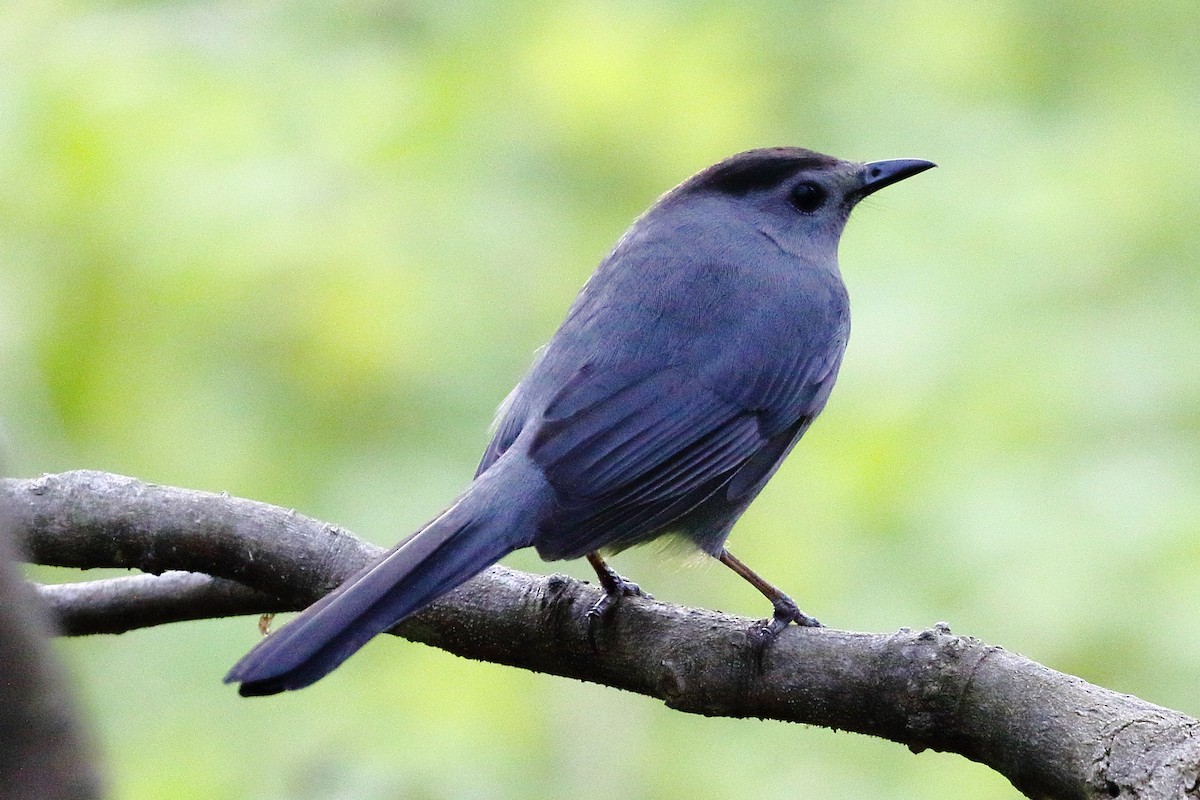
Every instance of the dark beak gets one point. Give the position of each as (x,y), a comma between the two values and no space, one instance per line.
(879,174)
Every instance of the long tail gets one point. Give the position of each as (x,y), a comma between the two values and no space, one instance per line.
(470,536)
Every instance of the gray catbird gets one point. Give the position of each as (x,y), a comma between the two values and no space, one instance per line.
(691,363)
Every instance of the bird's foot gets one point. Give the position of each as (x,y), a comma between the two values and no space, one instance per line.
(763,633)
(613,594)
(615,587)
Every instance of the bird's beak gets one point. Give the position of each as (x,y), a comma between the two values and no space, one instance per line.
(879,174)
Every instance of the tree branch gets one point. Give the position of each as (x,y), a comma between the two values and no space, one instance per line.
(1051,734)
(116,605)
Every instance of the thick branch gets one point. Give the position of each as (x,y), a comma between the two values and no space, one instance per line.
(1051,734)
(116,605)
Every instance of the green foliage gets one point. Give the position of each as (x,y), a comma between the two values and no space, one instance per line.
(300,251)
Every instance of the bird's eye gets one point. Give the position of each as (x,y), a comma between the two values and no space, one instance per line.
(807,197)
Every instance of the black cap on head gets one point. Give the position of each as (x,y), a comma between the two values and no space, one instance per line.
(755,170)
(766,168)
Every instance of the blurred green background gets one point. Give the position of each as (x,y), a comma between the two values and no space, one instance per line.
(300,251)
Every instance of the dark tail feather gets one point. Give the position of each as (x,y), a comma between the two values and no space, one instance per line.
(445,553)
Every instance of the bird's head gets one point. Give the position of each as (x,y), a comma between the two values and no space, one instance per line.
(799,198)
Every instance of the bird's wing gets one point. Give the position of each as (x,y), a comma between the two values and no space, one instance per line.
(631,452)
(510,419)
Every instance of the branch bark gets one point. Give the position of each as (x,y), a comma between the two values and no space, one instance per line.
(1052,735)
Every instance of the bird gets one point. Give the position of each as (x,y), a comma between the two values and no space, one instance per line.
(690,364)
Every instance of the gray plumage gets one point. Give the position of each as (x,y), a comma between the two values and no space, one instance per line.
(690,364)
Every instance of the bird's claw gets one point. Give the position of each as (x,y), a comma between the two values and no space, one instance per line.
(622,588)
(786,611)
(764,632)
(614,590)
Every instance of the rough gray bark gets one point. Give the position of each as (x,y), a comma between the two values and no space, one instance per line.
(1052,735)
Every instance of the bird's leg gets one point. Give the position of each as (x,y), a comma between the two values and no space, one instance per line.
(785,610)
(615,587)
